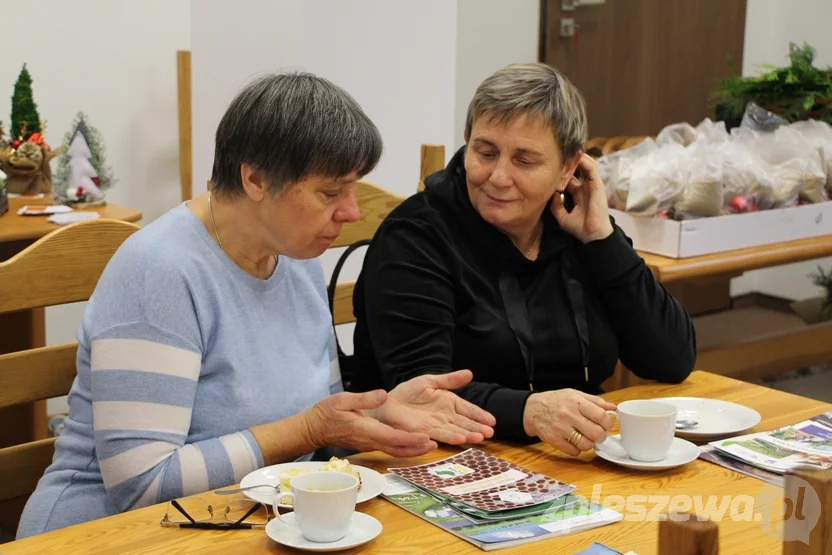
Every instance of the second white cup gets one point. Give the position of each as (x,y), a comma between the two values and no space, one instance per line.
(647,429)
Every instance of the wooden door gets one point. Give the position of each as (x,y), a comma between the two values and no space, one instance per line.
(644,64)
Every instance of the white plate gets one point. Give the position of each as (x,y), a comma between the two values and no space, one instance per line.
(717,419)
(372,483)
(681,452)
(363,528)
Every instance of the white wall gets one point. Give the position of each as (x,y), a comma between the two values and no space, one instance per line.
(395,58)
(490,34)
(770,26)
(116,61)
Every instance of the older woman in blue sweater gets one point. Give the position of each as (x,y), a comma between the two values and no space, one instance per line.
(207,349)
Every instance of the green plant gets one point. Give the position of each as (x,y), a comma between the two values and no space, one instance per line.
(796,92)
(824,279)
(25,118)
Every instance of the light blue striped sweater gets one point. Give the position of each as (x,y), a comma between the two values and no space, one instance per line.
(180,352)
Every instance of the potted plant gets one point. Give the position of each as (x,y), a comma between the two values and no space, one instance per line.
(817,309)
(795,92)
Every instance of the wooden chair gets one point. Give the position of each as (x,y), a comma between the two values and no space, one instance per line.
(433,160)
(183,82)
(375,204)
(62,267)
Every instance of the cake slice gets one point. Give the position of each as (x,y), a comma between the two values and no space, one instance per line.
(341,465)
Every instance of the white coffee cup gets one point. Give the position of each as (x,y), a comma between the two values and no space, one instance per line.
(324,503)
(647,429)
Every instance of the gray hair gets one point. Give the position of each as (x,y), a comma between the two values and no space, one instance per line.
(534,89)
(290,126)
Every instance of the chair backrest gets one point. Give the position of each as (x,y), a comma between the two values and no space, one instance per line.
(375,204)
(62,267)
(183,88)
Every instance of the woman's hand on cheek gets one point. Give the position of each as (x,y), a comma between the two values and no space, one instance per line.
(589,219)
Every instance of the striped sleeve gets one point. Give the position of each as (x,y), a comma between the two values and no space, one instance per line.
(143,388)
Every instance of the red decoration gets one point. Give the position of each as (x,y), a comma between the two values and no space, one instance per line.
(96,181)
(15,143)
(79,192)
(739,204)
(36,138)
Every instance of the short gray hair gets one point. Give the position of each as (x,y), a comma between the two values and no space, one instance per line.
(534,89)
(290,126)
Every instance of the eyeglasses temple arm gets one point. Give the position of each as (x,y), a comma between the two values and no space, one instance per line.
(249,513)
(179,508)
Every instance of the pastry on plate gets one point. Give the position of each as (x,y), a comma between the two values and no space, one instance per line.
(341,465)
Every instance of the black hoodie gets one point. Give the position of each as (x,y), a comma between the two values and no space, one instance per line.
(441,290)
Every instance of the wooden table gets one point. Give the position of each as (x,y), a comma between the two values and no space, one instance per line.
(702,285)
(27,329)
(669,270)
(139,531)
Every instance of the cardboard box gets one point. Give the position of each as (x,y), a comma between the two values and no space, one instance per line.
(725,233)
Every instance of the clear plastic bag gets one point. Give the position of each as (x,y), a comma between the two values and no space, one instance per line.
(701,195)
(656,180)
(712,132)
(760,119)
(744,174)
(615,168)
(819,135)
(676,134)
(794,166)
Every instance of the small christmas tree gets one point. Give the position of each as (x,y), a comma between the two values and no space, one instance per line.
(25,117)
(83,175)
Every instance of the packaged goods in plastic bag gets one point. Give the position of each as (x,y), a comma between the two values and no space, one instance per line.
(794,167)
(760,119)
(701,194)
(743,172)
(656,180)
(676,134)
(712,132)
(615,169)
(819,135)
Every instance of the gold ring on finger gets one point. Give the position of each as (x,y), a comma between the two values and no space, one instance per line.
(575,437)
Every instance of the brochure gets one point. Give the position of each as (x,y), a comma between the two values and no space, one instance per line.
(488,536)
(710,454)
(483,482)
(807,443)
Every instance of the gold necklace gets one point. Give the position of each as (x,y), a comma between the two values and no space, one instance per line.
(213,225)
(538,235)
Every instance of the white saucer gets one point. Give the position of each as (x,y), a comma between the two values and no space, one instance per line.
(681,452)
(362,529)
(716,419)
(372,483)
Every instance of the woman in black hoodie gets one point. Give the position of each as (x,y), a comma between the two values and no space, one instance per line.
(510,265)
